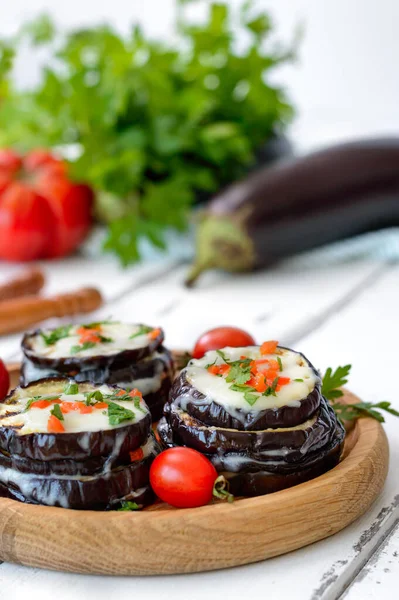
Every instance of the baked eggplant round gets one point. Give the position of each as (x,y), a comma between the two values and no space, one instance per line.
(259,416)
(88,431)
(96,492)
(194,390)
(129,356)
(287,442)
(106,343)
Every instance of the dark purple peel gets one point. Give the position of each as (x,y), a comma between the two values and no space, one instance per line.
(80,446)
(188,431)
(105,374)
(102,493)
(68,363)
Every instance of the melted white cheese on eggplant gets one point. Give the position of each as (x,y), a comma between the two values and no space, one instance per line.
(120,334)
(35,420)
(218,390)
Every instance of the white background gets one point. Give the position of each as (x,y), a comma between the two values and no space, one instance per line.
(344,85)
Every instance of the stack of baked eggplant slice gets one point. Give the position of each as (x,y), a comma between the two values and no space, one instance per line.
(76,445)
(258,414)
(129,356)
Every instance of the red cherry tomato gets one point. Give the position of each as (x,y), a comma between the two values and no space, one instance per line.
(183,477)
(220,338)
(4,381)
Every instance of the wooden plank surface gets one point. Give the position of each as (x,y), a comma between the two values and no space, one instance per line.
(335,315)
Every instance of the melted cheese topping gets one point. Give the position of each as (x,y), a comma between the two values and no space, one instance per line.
(217,389)
(119,333)
(35,420)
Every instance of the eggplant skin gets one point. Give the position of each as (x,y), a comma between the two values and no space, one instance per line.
(65,364)
(187,431)
(82,445)
(215,415)
(104,492)
(110,374)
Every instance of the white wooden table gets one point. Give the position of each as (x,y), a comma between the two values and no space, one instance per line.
(336,311)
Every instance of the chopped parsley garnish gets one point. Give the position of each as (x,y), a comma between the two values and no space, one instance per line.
(128,505)
(98,324)
(250,398)
(56,412)
(117,414)
(280,364)
(56,334)
(271,389)
(71,389)
(137,405)
(30,401)
(105,340)
(85,346)
(141,331)
(298,379)
(96,396)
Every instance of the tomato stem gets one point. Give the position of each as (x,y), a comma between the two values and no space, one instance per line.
(221,489)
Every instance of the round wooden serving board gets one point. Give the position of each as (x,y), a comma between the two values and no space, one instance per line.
(162,540)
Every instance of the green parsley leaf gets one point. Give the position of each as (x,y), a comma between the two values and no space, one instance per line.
(222,355)
(56,412)
(82,347)
(280,364)
(298,379)
(98,323)
(143,329)
(349,412)
(128,505)
(71,389)
(250,398)
(137,403)
(332,381)
(96,396)
(56,334)
(117,414)
(157,123)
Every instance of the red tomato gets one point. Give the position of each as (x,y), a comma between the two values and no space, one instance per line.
(4,381)
(220,338)
(183,477)
(42,213)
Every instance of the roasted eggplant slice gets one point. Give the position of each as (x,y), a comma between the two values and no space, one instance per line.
(284,442)
(105,344)
(95,421)
(129,356)
(97,492)
(213,401)
(258,415)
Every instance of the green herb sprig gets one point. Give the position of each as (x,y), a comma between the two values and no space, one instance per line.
(56,334)
(155,124)
(56,412)
(128,505)
(331,384)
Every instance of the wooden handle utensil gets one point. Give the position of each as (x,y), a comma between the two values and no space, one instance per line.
(28,283)
(21,313)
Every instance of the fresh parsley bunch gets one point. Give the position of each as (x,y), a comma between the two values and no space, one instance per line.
(154,125)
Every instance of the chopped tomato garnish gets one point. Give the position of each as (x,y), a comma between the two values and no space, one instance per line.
(83,330)
(135,392)
(258,382)
(121,393)
(44,403)
(219,369)
(268,347)
(81,407)
(101,405)
(54,425)
(154,334)
(136,454)
(282,381)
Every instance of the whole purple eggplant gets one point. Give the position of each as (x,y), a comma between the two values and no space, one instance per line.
(298,204)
